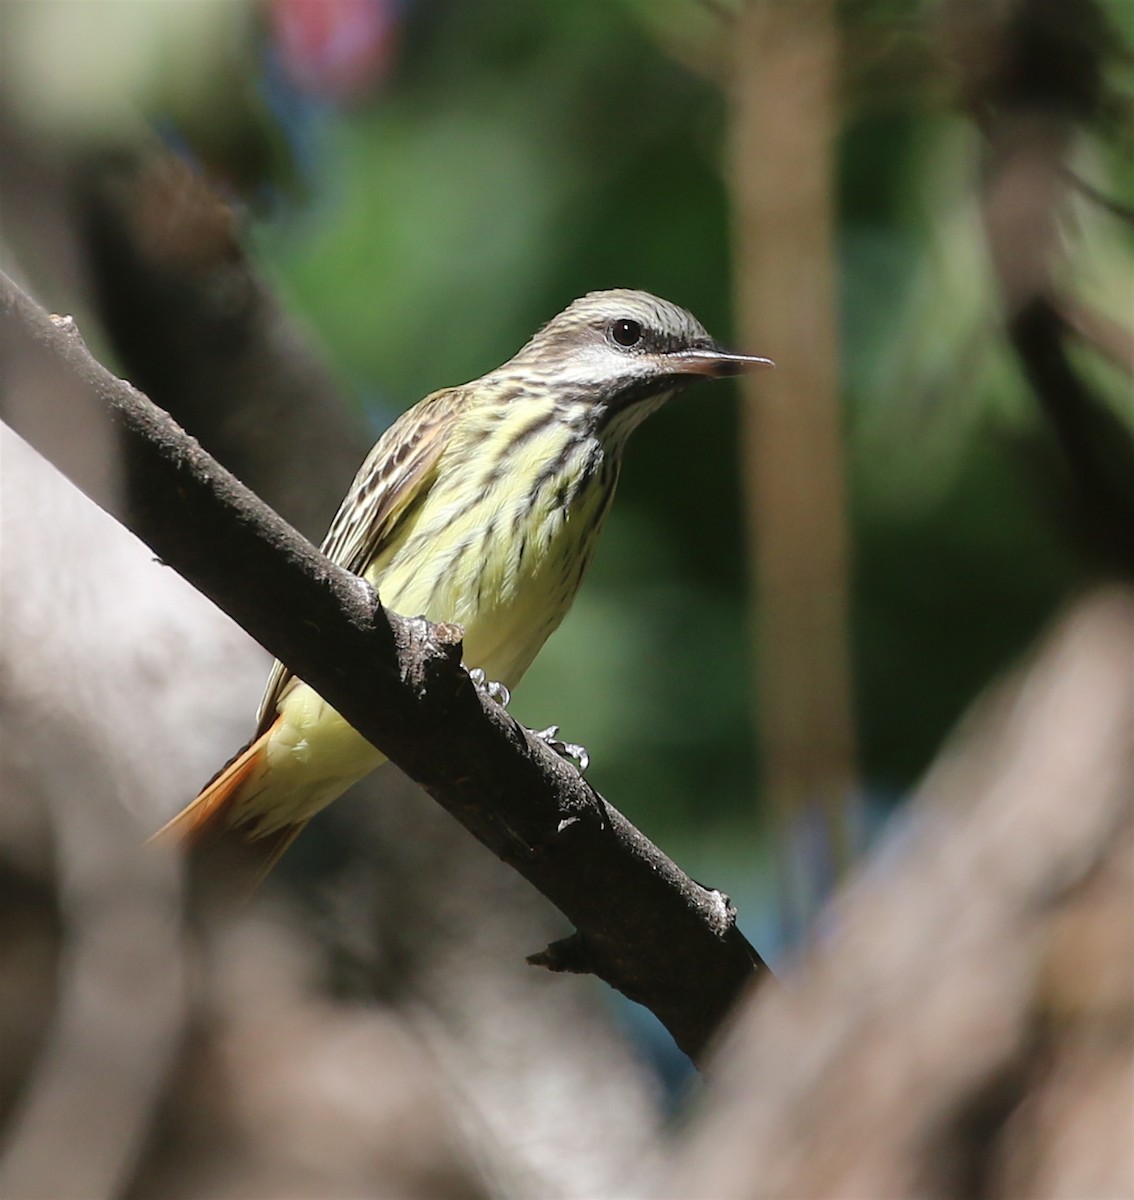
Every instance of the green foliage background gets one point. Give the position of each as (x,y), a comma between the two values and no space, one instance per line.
(525,153)
(522,152)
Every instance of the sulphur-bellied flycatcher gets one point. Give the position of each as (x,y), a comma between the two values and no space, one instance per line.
(480,506)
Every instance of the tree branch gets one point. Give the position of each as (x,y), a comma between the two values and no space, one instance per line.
(1096,443)
(1044,86)
(642,925)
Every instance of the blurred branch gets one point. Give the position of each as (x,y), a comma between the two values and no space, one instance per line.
(641,924)
(1097,446)
(201,333)
(783,193)
(1041,79)
(974,986)
(1114,342)
(1124,212)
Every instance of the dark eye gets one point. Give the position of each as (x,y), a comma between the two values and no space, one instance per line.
(626,333)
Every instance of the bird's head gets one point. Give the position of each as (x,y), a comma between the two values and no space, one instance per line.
(623,353)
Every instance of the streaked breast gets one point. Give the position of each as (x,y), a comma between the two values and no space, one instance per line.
(501,549)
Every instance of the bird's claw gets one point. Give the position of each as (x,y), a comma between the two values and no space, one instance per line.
(491,689)
(549,736)
(572,750)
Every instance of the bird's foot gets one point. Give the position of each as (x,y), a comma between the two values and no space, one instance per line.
(549,736)
(487,687)
(570,750)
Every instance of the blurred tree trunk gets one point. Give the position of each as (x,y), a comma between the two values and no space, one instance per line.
(783,194)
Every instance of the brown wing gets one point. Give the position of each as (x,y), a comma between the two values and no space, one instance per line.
(397,471)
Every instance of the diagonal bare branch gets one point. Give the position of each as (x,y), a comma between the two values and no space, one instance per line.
(640,923)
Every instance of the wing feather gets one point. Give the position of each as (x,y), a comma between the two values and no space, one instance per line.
(398,471)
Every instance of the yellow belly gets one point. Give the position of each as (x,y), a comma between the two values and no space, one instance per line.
(507,575)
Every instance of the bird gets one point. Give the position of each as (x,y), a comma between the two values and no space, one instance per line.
(480,506)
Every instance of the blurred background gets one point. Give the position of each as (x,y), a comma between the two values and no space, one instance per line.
(800,589)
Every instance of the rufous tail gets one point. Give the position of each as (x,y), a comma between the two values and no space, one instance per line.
(207,819)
